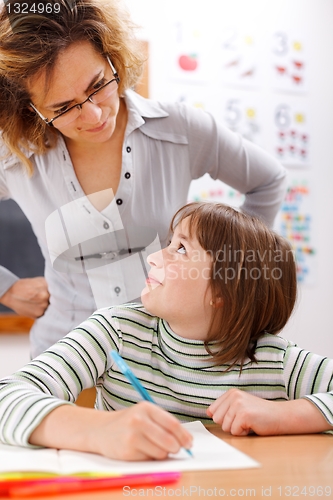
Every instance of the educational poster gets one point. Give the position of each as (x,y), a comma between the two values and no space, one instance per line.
(187,52)
(290,134)
(194,95)
(295,222)
(240,111)
(257,89)
(288,62)
(208,189)
(237,52)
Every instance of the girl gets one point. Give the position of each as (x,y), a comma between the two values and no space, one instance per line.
(204,344)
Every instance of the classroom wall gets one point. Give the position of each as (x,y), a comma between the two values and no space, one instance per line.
(308,21)
(14,352)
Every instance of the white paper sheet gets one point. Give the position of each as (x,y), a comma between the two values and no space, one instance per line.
(209,453)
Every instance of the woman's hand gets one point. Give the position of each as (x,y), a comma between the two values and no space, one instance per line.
(239,413)
(27,297)
(142,432)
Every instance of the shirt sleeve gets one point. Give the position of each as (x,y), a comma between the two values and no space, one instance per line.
(4,194)
(229,157)
(56,377)
(310,376)
(7,279)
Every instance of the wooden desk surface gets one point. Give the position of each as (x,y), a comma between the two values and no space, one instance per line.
(292,467)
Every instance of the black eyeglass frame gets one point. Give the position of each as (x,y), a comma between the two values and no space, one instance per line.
(80,104)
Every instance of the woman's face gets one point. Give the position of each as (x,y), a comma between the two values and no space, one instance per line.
(178,285)
(78,72)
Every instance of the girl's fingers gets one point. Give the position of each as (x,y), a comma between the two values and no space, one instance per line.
(175,435)
(218,403)
(218,410)
(159,430)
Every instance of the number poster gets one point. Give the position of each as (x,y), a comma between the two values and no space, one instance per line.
(288,63)
(239,61)
(255,83)
(290,136)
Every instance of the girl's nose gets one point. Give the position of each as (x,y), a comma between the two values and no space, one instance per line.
(155,259)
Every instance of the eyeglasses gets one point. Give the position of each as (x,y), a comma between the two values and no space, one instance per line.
(71,114)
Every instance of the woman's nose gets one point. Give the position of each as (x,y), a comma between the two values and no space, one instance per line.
(90,112)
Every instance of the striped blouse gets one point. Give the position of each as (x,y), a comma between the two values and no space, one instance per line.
(178,372)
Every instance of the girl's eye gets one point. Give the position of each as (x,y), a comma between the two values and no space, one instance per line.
(181,249)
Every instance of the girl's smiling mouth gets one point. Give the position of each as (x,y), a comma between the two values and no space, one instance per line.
(152,281)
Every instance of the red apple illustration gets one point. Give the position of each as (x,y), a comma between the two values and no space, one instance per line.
(188,62)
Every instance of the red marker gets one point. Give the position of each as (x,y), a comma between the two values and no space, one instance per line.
(61,485)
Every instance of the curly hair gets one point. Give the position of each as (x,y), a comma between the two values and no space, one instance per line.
(253,274)
(31,43)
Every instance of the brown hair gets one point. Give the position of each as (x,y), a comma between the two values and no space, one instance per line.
(30,43)
(253,272)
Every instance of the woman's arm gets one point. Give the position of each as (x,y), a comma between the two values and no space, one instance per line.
(239,163)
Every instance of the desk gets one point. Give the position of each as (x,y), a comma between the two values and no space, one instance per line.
(292,467)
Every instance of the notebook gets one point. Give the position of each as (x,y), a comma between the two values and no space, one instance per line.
(209,453)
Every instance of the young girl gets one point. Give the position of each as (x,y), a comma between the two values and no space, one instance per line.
(203,344)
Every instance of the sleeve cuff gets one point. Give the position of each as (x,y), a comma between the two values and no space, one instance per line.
(7,279)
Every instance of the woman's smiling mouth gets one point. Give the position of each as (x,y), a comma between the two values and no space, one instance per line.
(97,129)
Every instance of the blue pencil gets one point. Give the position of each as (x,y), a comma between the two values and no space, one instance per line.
(125,369)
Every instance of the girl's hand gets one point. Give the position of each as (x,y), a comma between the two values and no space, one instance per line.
(240,413)
(142,432)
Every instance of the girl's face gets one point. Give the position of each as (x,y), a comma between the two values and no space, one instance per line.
(178,285)
(78,72)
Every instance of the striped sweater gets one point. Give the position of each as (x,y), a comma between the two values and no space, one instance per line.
(178,372)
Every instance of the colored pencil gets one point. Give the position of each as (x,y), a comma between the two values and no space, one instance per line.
(125,369)
(65,484)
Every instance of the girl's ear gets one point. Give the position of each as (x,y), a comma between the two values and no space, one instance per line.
(218,302)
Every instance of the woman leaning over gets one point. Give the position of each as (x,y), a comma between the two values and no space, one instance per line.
(97,169)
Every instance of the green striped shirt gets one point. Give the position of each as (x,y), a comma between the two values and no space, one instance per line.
(179,373)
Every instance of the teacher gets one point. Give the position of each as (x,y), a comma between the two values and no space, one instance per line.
(97,169)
